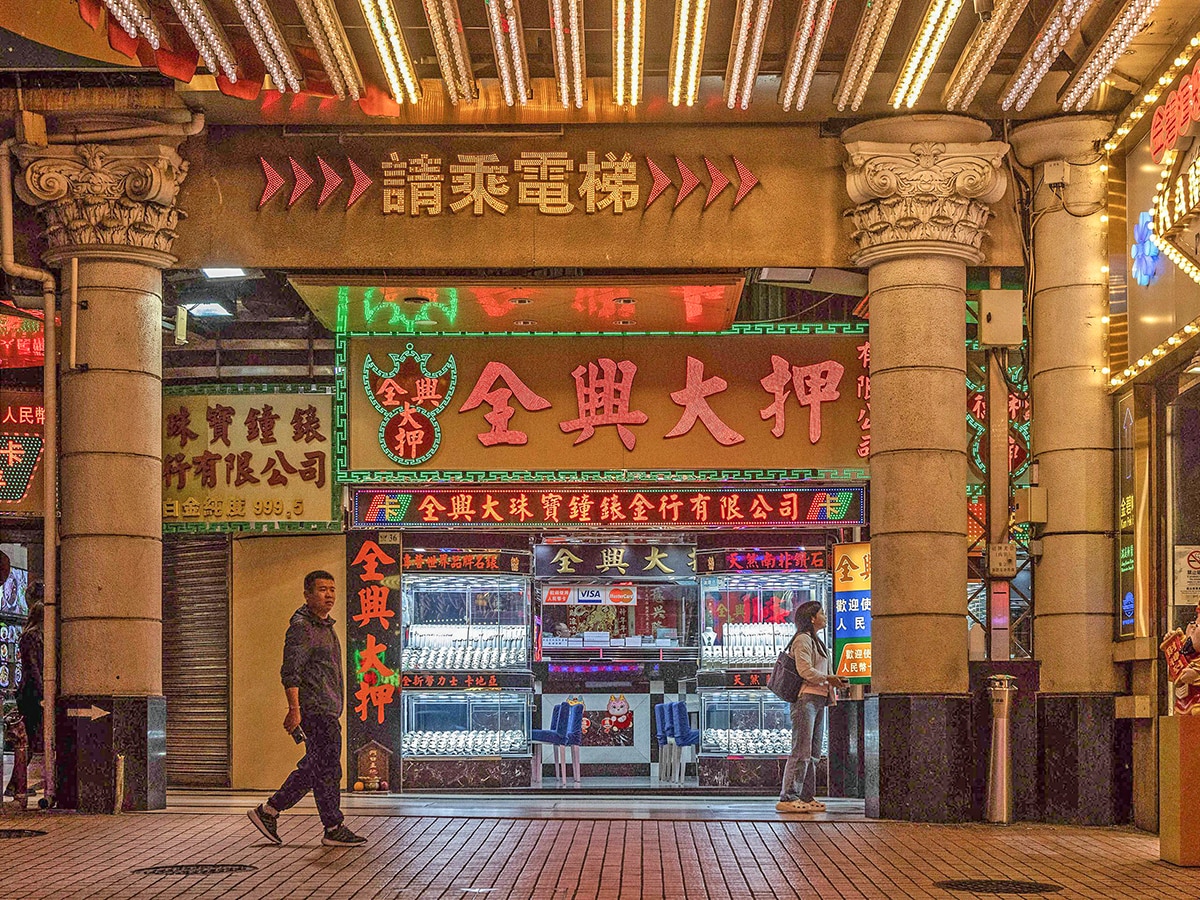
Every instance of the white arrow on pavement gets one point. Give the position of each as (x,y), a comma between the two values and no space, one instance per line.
(93,713)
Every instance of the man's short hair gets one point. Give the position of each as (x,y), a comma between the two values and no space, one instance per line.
(310,580)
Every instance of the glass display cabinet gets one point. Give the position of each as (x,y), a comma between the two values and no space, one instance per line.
(626,621)
(744,723)
(746,619)
(466,723)
(465,622)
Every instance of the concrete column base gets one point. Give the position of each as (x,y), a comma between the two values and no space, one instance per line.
(1085,771)
(847,750)
(919,757)
(93,730)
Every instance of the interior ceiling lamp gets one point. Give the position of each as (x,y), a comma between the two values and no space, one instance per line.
(926,47)
(873,30)
(268,40)
(454,59)
(1062,23)
(393,51)
(135,18)
(812,25)
(508,43)
(209,37)
(1104,55)
(629,42)
(745,51)
(981,53)
(333,47)
(687,50)
(1194,366)
(566,42)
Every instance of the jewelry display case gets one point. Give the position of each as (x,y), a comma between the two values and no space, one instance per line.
(744,723)
(465,622)
(466,723)
(746,618)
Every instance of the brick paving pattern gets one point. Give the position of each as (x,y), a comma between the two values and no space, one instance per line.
(492,858)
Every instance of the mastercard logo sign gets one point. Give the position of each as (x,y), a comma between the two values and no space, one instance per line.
(620,595)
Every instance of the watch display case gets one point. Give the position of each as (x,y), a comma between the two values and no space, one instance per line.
(466,723)
(744,723)
(746,619)
(464,622)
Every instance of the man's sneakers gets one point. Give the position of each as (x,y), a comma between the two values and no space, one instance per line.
(341,836)
(266,823)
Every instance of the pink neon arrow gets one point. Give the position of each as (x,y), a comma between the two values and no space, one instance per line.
(747,181)
(303,182)
(688,183)
(719,182)
(333,181)
(274,182)
(662,181)
(362,181)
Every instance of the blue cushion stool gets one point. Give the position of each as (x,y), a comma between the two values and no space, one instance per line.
(685,734)
(573,738)
(555,736)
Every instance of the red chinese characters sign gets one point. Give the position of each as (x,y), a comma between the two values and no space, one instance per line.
(1174,116)
(247,460)
(645,402)
(22,422)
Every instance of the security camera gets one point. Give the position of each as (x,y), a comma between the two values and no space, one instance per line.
(983,9)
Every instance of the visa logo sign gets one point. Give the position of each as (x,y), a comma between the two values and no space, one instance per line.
(589,595)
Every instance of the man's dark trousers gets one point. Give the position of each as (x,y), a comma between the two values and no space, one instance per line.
(320,771)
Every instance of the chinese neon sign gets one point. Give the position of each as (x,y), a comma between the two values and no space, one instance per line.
(783,559)
(1174,116)
(22,420)
(568,506)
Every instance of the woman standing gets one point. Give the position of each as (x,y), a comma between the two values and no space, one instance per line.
(808,712)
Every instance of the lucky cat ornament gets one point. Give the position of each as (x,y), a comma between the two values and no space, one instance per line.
(619,715)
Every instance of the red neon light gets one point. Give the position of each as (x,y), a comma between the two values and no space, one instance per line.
(274,182)
(362,181)
(662,181)
(333,181)
(1175,114)
(689,182)
(747,181)
(719,182)
(303,182)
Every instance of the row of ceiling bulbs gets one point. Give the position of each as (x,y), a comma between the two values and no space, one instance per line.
(997,18)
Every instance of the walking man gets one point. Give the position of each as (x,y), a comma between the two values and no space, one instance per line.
(312,681)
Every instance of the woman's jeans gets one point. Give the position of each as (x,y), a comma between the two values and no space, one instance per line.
(808,732)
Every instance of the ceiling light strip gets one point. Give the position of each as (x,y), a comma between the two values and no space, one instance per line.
(1060,26)
(316,34)
(321,18)
(208,36)
(872,34)
(454,61)
(578,55)
(268,40)
(134,16)
(812,26)
(392,50)
(1104,55)
(745,51)
(981,53)
(566,27)
(687,50)
(940,16)
(508,45)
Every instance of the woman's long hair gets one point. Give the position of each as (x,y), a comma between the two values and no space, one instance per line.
(803,617)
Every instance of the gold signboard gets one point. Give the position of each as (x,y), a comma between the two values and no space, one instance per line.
(234,461)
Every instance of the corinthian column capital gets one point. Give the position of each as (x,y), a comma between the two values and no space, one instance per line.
(114,198)
(922,196)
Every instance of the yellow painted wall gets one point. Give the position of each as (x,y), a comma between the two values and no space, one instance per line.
(268,586)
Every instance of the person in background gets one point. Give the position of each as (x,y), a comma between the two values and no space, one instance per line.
(312,681)
(562,630)
(798,793)
(29,702)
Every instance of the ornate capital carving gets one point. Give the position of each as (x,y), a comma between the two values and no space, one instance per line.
(114,195)
(922,197)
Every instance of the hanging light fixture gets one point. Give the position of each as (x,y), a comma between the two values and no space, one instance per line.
(1060,25)
(1105,53)
(268,40)
(450,45)
(745,51)
(508,44)
(808,40)
(629,41)
(208,36)
(566,44)
(135,18)
(981,53)
(873,30)
(687,50)
(940,16)
(392,49)
(325,28)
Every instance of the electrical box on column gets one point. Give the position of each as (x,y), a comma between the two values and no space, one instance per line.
(1001,318)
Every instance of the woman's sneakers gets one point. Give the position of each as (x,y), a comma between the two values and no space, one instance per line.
(800,806)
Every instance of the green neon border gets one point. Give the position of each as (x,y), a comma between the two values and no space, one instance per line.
(334,524)
(346,475)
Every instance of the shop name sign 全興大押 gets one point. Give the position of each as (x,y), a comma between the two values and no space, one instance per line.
(612,562)
(546,182)
(582,506)
(1173,117)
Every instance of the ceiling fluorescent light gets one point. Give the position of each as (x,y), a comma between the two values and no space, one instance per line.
(450,45)
(566,43)
(1104,55)
(745,51)
(209,37)
(508,45)
(392,50)
(981,53)
(865,51)
(268,40)
(940,16)
(785,275)
(812,26)
(207,310)
(1060,25)
(135,18)
(224,272)
(687,50)
(629,42)
(325,28)
(1194,366)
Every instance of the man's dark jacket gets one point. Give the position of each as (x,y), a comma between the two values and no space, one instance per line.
(312,662)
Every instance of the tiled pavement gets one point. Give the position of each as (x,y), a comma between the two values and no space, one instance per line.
(570,847)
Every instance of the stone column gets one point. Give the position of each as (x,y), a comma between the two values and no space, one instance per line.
(1073,446)
(111,207)
(921,185)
